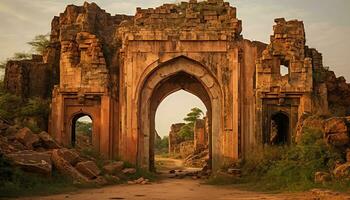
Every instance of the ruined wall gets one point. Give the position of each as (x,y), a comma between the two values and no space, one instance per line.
(28,78)
(288,94)
(174,138)
(117,69)
(201,136)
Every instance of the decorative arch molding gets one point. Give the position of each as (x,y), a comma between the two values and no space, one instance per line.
(149,86)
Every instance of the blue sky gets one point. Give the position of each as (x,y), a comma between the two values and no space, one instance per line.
(327,24)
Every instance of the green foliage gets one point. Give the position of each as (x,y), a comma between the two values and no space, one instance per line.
(289,168)
(21,56)
(84,127)
(192,116)
(162,145)
(9,106)
(35,107)
(186,131)
(14,183)
(40,43)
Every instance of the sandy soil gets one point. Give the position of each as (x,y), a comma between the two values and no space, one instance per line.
(179,189)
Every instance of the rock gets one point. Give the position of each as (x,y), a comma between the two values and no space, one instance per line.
(47,141)
(335,125)
(27,138)
(100,180)
(65,167)
(348,155)
(88,169)
(34,162)
(336,131)
(113,168)
(234,171)
(342,171)
(129,171)
(322,177)
(139,181)
(69,155)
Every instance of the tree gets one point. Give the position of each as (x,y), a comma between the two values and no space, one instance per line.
(40,43)
(21,56)
(195,114)
(186,132)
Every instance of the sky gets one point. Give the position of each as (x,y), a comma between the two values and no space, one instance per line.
(327,25)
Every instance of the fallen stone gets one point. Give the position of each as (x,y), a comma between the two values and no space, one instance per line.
(69,155)
(47,141)
(27,138)
(322,177)
(113,168)
(139,181)
(100,180)
(34,162)
(234,171)
(65,167)
(342,171)
(129,171)
(88,169)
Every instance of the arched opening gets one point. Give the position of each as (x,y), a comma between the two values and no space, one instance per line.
(284,70)
(181,132)
(279,133)
(180,73)
(82,131)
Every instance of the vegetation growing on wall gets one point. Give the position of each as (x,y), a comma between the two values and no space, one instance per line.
(186,132)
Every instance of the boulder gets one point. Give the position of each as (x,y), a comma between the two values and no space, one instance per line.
(338,140)
(322,177)
(336,131)
(129,171)
(69,155)
(27,138)
(65,167)
(342,171)
(335,125)
(34,162)
(113,168)
(47,141)
(88,169)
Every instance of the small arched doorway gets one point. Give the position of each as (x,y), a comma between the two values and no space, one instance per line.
(82,131)
(279,130)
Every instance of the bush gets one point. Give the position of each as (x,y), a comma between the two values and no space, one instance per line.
(289,168)
(162,145)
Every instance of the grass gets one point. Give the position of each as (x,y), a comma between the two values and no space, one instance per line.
(288,168)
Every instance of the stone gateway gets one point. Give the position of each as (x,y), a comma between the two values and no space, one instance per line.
(117,70)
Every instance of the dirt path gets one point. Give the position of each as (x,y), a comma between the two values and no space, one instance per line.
(177,189)
(174,189)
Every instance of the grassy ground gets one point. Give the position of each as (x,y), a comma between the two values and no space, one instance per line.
(288,168)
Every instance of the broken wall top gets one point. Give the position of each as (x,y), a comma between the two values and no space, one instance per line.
(207,20)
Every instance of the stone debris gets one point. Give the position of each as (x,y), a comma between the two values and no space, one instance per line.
(114,167)
(129,171)
(88,169)
(31,161)
(27,138)
(322,177)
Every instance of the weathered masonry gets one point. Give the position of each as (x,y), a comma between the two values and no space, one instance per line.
(117,70)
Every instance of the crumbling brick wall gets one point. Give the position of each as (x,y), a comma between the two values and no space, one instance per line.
(28,78)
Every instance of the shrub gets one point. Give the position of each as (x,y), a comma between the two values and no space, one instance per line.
(289,168)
